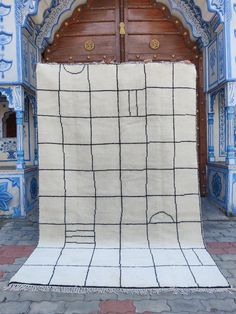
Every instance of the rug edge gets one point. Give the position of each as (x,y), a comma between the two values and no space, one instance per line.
(14,286)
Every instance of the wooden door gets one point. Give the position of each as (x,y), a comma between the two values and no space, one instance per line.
(130,30)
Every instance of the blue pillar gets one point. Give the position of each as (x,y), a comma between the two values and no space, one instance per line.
(211,153)
(230,114)
(20,164)
(36,158)
(230,159)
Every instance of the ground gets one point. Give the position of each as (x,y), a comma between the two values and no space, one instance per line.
(19,237)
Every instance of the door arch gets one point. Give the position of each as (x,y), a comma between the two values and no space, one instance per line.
(130,30)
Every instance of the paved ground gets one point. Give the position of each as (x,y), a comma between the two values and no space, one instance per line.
(19,237)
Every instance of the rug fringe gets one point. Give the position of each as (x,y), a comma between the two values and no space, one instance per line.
(134,291)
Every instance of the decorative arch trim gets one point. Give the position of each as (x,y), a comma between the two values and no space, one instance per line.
(9,95)
(189,13)
(217,6)
(53,19)
(32,7)
(191,17)
(28,8)
(14,97)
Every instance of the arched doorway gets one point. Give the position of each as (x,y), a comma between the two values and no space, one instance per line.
(130,30)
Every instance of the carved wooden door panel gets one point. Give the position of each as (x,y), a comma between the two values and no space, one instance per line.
(91,34)
(130,30)
(153,33)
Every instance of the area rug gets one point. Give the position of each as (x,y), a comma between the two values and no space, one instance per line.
(118,179)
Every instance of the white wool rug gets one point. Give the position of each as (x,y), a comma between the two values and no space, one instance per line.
(119,195)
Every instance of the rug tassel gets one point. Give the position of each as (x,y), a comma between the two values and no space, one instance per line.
(84,290)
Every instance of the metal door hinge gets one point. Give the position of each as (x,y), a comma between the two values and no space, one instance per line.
(122,28)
